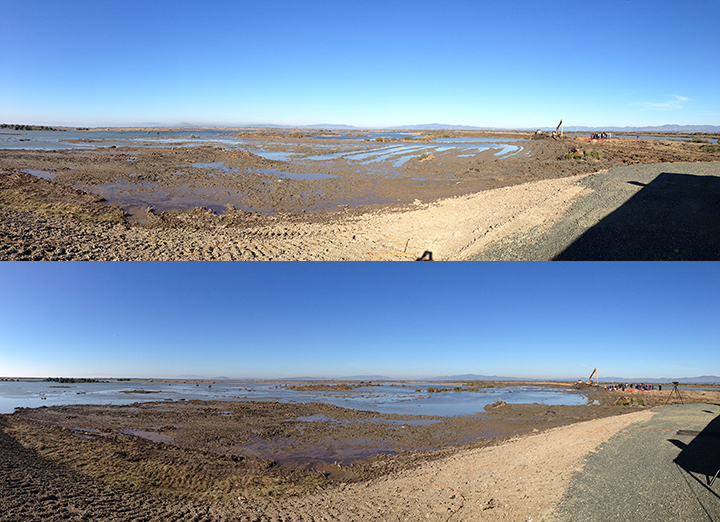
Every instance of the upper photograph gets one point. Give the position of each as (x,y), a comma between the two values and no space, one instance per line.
(359,131)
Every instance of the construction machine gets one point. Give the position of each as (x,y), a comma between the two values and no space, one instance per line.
(559,130)
(589,382)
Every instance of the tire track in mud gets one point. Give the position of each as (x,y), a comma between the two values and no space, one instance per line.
(35,488)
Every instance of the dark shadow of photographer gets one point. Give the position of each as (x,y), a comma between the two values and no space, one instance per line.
(674,217)
(701,456)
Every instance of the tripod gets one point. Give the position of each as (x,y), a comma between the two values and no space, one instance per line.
(674,391)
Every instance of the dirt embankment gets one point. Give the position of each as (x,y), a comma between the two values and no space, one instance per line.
(115,203)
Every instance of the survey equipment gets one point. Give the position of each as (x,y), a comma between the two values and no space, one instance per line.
(674,392)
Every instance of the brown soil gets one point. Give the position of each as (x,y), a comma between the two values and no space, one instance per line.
(197,460)
(95,206)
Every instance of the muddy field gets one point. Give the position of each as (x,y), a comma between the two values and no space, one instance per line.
(222,460)
(204,202)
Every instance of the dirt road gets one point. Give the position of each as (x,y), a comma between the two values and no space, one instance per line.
(657,469)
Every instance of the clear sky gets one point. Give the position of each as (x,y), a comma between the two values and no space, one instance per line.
(508,64)
(268,320)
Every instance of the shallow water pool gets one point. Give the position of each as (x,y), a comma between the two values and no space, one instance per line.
(390,398)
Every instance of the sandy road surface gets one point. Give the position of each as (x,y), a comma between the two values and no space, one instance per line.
(522,479)
(637,212)
(658,469)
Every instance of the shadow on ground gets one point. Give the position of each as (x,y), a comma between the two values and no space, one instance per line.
(674,217)
(701,456)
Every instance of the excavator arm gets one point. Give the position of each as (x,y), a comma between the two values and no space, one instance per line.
(595,370)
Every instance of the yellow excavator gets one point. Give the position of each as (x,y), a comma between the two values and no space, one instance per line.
(589,382)
(558,131)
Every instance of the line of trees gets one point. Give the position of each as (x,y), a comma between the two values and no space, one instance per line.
(18,126)
(69,379)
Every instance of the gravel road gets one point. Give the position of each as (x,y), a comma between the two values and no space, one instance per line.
(636,212)
(653,470)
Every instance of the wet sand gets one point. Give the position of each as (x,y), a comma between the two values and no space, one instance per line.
(114,203)
(199,460)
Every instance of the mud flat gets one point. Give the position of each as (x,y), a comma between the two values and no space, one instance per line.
(291,197)
(204,460)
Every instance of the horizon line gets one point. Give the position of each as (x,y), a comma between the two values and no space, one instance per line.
(472,377)
(339,126)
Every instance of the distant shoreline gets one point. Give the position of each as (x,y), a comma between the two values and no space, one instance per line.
(503,383)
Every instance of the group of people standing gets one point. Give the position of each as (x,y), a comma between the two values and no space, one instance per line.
(641,387)
(600,136)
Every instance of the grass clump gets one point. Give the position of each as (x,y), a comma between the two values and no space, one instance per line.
(624,401)
(18,200)
(480,384)
(441,390)
(582,155)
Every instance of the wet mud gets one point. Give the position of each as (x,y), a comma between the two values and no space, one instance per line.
(50,195)
(327,176)
(220,460)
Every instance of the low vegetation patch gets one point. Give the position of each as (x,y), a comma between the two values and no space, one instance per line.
(70,380)
(480,384)
(710,148)
(19,126)
(18,200)
(441,390)
(326,387)
(624,401)
(582,155)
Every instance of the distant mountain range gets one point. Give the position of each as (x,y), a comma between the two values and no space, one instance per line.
(710,129)
(704,379)
(443,126)
(567,128)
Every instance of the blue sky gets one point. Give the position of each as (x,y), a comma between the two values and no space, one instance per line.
(519,64)
(533,320)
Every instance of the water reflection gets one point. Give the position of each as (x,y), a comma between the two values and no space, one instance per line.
(295,175)
(39,173)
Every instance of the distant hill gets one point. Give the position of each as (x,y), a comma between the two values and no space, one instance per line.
(702,379)
(661,128)
(474,377)
(568,128)
(446,126)
(351,378)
